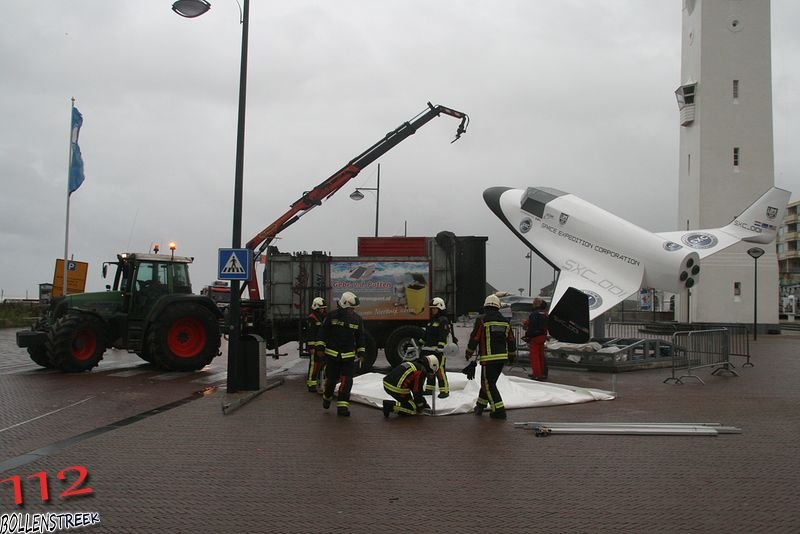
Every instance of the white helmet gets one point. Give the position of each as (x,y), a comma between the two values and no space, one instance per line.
(437,302)
(433,362)
(348,300)
(493,301)
(318,303)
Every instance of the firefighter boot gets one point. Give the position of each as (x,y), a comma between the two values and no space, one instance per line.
(499,414)
(388,407)
(343,411)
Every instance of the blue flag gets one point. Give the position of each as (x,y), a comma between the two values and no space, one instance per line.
(76,176)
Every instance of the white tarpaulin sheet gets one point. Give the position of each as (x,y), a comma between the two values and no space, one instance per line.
(516,392)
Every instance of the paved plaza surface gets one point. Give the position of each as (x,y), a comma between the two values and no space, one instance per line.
(280,463)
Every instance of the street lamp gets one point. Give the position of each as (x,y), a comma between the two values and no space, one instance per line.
(191,9)
(529,255)
(755,253)
(358,195)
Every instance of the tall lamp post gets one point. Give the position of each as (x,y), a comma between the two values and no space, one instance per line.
(358,195)
(191,9)
(755,253)
(529,255)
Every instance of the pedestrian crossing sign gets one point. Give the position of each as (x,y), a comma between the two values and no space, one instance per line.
(234,264)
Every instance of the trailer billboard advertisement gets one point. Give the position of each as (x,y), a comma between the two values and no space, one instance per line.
(385,289)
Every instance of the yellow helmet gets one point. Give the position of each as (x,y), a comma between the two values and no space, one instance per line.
(438,302)
(348,300)
(432,363)
(493,301)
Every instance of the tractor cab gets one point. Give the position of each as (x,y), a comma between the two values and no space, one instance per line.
(144,278)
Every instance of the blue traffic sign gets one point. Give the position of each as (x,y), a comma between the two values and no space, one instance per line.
(234,264)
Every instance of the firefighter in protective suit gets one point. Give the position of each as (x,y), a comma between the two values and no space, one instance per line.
(342,334)
(436,332)
(494,339)
(316,348)
(404,384)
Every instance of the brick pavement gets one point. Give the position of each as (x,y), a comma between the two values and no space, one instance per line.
(282,464)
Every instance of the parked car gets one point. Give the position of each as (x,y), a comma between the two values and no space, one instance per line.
(515,306)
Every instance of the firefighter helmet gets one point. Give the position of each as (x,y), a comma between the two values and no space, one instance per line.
(348,300)
(493,301)
(438,302)
(318,303)
(432,363)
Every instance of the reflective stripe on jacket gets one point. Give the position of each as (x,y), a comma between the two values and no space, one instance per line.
(342,334)
(313,329)
(405,379)
(492,336)
(436,332)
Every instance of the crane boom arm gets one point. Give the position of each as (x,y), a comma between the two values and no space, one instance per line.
(326,189)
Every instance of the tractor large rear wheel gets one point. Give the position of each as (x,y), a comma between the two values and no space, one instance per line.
(185,337)
(76,343)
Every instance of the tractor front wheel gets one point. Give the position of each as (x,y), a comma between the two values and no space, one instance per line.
(185,337)
(76,343)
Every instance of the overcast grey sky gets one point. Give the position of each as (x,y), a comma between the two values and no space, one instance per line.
(576,95)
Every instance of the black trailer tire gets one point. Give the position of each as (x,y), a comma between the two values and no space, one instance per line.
(399,341)
(76,343)
(369,357)
(185,337)
(39,356)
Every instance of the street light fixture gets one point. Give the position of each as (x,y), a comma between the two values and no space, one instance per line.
(358,195)
(191,9)
(755,253)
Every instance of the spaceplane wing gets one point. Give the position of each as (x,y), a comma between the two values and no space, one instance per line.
(609,258)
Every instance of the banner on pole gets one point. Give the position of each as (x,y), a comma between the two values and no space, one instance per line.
(76,176)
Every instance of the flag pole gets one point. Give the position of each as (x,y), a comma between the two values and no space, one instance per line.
(66,233)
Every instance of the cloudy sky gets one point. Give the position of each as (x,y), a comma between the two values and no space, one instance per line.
(575,94)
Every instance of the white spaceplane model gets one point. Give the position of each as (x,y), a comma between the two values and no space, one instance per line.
(608,258)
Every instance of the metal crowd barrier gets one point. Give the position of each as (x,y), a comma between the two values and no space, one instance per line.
(739,340)
(700,348)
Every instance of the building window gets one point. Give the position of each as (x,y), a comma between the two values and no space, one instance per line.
(736,156)
(735,89)
(688,164)
(685,95)
(737,289)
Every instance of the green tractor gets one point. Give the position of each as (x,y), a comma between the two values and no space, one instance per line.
(149,310)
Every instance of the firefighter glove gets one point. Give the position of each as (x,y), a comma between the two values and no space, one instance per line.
(469,370)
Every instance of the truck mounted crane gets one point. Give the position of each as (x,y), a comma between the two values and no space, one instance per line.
(326,189)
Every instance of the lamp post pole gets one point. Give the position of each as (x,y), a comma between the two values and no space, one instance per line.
(191,9)
(529,255)
(235,356)
(755,253)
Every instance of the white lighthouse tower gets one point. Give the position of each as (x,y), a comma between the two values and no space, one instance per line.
(726,154)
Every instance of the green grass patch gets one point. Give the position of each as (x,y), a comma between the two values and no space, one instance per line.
(17,314)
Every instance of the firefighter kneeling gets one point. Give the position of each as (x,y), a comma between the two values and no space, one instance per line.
(404,383)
